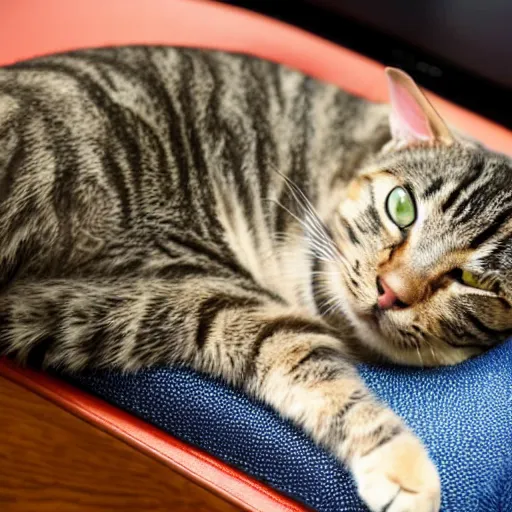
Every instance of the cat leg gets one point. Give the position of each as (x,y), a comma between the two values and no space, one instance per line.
(303,373)
(294,363)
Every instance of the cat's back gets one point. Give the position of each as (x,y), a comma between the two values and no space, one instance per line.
(159,129)
(164,81)
(183,93)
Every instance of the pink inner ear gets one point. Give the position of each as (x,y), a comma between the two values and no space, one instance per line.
(407,118)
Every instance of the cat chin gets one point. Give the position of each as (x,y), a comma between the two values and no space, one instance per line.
(442,355)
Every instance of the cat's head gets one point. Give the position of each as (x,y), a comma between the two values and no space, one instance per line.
(425,237)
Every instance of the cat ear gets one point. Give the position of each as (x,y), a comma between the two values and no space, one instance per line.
(413,118)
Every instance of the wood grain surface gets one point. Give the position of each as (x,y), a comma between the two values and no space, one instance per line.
(51,461)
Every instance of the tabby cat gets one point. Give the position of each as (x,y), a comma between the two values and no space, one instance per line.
(164,206)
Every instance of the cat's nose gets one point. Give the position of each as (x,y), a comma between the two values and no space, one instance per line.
(387,297)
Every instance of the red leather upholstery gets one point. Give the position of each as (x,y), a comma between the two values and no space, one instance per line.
(29,28)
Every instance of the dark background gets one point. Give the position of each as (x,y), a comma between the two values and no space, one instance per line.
(460,49)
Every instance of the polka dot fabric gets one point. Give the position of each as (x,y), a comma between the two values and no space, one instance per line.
(463,414)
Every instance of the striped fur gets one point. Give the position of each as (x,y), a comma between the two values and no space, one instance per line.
(171,206)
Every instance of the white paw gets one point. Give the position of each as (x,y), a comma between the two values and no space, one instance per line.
(398,477)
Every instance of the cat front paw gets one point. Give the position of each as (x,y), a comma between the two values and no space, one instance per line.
(398,476)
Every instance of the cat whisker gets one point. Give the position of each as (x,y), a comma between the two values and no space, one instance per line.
(431,349)
(334,306)
(320,245)
(331,301)
(313,219)
(303,200)
(325,250)
(420,356)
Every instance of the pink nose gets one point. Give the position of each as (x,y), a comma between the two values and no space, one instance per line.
(387,297)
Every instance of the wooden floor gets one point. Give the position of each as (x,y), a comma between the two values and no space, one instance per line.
(51,461)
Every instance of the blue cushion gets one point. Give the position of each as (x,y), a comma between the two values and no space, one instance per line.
(463,414)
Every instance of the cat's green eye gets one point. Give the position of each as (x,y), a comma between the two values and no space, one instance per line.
(400,207)
(470,279)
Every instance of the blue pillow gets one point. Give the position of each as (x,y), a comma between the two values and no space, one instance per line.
(462,413)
